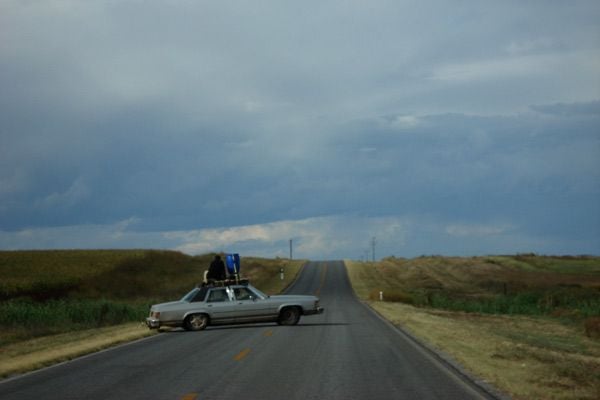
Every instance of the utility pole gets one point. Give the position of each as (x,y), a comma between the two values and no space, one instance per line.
(373,247)
(290,249)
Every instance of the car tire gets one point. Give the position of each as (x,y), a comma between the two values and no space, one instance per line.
(195,322)
(289,316)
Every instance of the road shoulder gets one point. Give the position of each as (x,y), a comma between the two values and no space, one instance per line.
(37,353)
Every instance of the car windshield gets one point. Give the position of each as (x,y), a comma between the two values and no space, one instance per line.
(190,296)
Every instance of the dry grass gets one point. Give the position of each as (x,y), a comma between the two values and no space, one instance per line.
(592,327)
(529,357)
(37,353)
(482,275)
(265,273)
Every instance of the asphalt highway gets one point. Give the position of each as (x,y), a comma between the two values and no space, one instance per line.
(346,353)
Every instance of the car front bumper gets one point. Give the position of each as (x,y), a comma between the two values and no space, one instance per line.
(152,323)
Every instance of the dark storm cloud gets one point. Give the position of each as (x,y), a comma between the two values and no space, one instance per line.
(188,125)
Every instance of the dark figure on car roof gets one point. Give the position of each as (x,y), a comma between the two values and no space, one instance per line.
(216,271)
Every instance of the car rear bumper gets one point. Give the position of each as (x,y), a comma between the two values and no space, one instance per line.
(318,310)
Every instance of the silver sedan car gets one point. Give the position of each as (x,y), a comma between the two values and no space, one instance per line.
(231,304)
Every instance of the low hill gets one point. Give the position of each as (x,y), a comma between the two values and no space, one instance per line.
(49,292)
(117,274)
(504,284)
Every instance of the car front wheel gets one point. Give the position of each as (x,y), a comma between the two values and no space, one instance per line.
(195,322)
(289,316)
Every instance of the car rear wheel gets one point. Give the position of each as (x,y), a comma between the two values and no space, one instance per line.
(289,316)
(195,322)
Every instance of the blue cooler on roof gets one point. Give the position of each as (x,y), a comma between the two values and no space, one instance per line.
(233,263)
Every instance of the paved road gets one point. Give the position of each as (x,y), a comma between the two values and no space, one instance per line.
(345,353)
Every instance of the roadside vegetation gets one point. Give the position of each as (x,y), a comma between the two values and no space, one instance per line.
(528,324)
(51,296)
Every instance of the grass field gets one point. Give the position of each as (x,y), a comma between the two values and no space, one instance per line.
(527,324)
(50,292)
(57,305)
(521,285)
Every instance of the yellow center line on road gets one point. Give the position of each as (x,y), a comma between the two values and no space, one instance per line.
(322,282)
(190,396)
(241,355)
(268,333)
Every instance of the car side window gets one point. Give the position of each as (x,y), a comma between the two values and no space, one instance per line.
(242,294)
(200,295)
(217,295)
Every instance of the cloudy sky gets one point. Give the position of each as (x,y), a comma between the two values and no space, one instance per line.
(437,127)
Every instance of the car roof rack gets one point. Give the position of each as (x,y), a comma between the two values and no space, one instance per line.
(228,282)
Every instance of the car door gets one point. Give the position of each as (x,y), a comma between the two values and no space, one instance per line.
(220,305)
(251,307)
